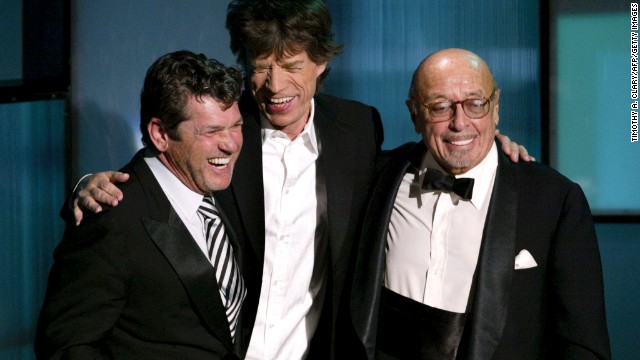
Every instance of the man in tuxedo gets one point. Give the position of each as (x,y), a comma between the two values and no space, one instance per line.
(159,276)
(315,154)
(466,255)
(301,181)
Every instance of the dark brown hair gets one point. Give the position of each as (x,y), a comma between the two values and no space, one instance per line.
(173,78)
(259,28)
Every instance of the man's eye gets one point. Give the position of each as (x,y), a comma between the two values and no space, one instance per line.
(440,107)
(475,103)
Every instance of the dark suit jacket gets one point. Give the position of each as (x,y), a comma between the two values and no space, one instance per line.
(554,310)
(131,283)
(349,135)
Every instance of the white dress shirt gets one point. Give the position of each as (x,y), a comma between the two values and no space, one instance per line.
(434,238)
(183,200)
(293,284)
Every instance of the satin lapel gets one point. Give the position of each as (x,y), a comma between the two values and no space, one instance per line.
(333,175)
(370,263)
(247,185)
(173,239)
(193,269)
(495,266)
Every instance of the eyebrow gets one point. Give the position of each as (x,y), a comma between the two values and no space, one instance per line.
(291,63)
(469,94)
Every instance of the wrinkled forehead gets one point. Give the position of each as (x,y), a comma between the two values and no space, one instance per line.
(278,51)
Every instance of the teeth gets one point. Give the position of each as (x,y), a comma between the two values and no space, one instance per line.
(281,100)
(219,161)
(462,142)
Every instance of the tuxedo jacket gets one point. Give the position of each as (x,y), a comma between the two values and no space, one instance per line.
(552,311)
(131,283)
(349,136)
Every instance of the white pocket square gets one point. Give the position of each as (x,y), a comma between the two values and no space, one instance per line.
(524,260)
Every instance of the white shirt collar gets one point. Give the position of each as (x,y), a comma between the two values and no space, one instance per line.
(308,134)
(483,174)
(182,198)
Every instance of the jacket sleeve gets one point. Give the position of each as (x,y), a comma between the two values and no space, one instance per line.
(577,292)
(85,293)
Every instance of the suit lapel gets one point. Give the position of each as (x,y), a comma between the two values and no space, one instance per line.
(175,242)
(370,263)
(495,267)
(193,269)
(247,183)
(332,174)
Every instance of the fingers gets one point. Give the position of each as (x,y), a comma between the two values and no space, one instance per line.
(97,189)
(104,189)
(507,145)
(84,202)
(513,150)
(77,214)
(118,177)
(100,187)
(519,152)
(90,199)
(524,154)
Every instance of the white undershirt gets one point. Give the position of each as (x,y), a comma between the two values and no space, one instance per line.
(293,288)
(434,238)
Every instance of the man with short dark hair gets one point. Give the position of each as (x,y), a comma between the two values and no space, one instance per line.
(149,279)
(302,179)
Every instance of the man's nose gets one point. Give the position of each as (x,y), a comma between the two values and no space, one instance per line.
(460,120)
(229,143)
(275,80)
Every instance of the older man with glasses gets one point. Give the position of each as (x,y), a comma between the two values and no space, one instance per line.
(466,255)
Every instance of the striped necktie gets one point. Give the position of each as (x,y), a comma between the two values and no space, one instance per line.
(220,252)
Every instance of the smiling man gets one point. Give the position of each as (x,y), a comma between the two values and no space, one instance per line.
(314,156)
(301,183)
(466,255)
(284,88)
(143,281)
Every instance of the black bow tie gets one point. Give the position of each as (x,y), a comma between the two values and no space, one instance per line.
(435,180)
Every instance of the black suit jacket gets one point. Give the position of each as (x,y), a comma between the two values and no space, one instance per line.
(554,310)
(349,137)
(131,283)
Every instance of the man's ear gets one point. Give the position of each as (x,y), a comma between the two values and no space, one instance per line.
(412,112)
(158,135)
(321,68)
(496,107)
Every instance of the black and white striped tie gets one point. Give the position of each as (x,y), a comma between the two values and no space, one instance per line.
(230,283)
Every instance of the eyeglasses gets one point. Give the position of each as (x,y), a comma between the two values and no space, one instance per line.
(474,108)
